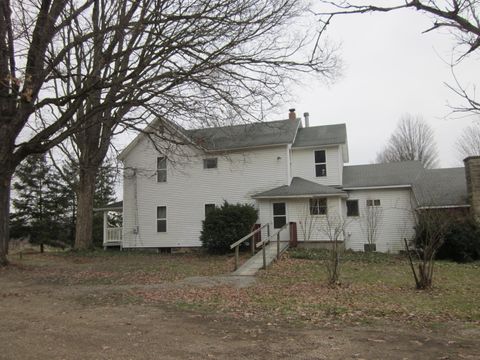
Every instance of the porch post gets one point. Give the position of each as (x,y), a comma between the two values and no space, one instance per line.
(105,225)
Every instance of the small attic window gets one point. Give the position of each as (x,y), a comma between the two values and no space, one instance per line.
(210,163)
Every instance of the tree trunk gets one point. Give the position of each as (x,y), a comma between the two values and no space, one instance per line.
(84,224)
(5,181)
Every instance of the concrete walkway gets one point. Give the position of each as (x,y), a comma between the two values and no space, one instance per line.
(255,263)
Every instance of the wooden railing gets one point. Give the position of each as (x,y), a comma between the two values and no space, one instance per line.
(237,244)
(114,234)
(265,242)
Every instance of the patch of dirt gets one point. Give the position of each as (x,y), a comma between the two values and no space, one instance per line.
(39,321)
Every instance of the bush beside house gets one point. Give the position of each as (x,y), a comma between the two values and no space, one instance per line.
(226,224)
(462,241)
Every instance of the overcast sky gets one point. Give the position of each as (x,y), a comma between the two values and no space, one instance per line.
(390,68)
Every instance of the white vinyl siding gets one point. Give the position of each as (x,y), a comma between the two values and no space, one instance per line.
(303,165)
(396,219)
(238,176)
(298,211)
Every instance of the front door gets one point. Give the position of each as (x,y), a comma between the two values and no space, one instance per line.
(280,219)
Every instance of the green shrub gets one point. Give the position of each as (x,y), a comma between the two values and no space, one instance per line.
(226,224)
(462,242)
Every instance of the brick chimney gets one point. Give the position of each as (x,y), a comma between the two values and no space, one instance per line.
(291,115)
(472,174)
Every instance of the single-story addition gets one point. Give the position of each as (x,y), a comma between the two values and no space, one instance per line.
(292,173)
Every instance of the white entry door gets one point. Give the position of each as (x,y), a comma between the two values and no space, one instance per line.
(279,219)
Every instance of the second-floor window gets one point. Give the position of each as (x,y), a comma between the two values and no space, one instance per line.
(162,169)
(210,163)
(320,163)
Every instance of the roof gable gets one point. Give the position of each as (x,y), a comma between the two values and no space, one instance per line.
(321,135)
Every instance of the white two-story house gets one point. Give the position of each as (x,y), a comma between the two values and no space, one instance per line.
(289,171)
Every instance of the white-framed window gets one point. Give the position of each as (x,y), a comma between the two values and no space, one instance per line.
(162,169)
(318,206)
(279,215)
(209,208)
(375,202)
(210,163)
(161,219)
(320,163)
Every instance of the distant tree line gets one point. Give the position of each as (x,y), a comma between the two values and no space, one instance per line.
(414,140)
(45,200)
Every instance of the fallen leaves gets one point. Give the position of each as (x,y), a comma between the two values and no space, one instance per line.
(290,290)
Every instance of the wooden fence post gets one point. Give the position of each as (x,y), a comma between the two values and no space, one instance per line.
(278,246)
(236,257)
(264,257)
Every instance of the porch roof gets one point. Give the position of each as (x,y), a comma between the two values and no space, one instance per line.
(116,206)
(300,188)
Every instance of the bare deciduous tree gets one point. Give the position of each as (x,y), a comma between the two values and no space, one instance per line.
(82,67)
(333,226)
(430,230)
(413,139)
(468,144)
(460,17)
(370,223)
(307,223)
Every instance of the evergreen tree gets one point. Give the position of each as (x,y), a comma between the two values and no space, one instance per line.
(45,201)
(104,194)
(39,205)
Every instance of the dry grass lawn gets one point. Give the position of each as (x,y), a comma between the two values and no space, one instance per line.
(137,305)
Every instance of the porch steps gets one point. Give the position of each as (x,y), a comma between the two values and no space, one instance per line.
(255,263)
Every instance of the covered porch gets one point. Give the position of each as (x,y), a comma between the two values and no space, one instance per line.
(315,208)
(112,234)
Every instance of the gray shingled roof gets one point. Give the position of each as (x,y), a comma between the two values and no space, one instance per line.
(441,187)
(300,187)
(321,135)
(391,174)
(244,136)
(432,187)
